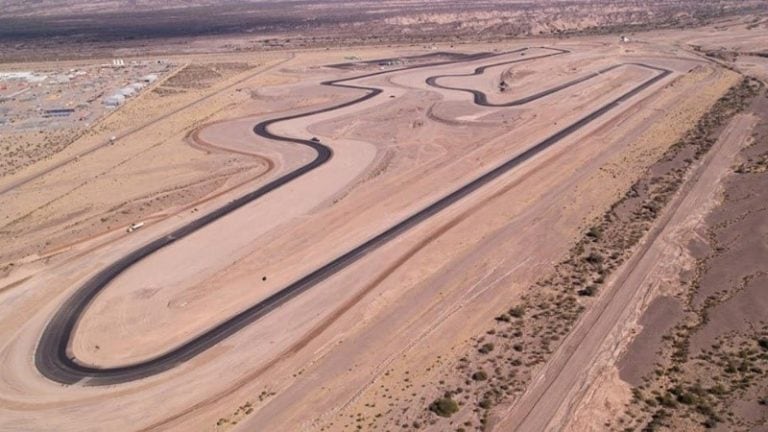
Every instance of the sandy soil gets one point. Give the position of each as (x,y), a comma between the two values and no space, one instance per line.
(365,347)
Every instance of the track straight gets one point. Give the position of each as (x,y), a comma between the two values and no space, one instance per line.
(53,358)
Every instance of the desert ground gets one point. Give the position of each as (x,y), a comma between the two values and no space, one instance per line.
(500,236)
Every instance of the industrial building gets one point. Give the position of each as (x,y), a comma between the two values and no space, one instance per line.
(58,112)
(127,91)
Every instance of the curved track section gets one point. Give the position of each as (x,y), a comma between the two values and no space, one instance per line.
(481,98)
(53,358)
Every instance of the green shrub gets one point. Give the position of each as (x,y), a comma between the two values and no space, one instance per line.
(517,311)
(763,343)
(666,400)
(717,389)
(444,407)
(486,348)
(595,232)
(485,403)
(686,398)
(594,258)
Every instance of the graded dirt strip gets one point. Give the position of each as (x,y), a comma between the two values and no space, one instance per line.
(53,358)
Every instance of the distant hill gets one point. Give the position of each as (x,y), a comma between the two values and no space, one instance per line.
(39,8)
(28,25)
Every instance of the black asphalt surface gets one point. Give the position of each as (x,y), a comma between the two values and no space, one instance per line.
(53,357)
(481,98)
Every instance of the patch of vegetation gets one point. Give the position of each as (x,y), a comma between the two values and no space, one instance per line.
(596,232)
(763,343)
(517,311)
(444,407)
(699,390)
(702,390)
(486,348)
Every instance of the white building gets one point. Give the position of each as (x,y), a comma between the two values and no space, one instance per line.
(29,77)
(115,100)
(127,91)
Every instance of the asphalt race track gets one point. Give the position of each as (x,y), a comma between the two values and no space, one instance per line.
(53,357)
(481,98)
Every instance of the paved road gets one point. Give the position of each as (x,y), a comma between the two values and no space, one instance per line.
(53,357)
(482,99)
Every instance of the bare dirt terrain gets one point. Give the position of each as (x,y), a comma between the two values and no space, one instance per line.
(689,354)
(48,29)
(542,256)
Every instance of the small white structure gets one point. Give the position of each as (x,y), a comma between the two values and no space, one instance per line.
(149,79)
(118,62)
(115,100)
(127,91)
(623,39)
(26,76)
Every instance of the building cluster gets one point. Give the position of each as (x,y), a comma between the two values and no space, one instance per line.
(118,97)
(39,100)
